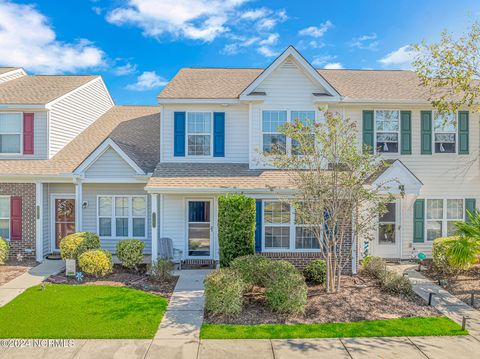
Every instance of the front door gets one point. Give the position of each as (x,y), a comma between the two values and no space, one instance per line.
(199,229)
(64,219)
(388,234)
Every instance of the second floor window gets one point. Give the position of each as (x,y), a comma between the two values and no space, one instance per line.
(199,133)
(445,132)
(387,125)
(305,117)
(273,140)
(10,132)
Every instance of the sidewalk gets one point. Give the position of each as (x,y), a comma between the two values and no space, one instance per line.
(33,277)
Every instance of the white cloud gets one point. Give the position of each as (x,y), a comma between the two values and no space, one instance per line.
(147,81)
(322,60)
(267,51)
(27,39)
(365,42)
(400,58)
(265,44)
(333,66)
(316,31)
(126,69)
(255,14)
(272,39)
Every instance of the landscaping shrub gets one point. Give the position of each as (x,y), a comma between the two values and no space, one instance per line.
(374,266)
(439,255)
(130,252)
(288,294)
(276,270)
(236,227)
(4,250)
(395,283)
(252,268)
(316,272)
(161,271)
(96,262)
(224,292)
(73,245)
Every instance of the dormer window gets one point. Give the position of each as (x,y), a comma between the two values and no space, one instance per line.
(444,132)
(387,125)
(10,132)
(199,133)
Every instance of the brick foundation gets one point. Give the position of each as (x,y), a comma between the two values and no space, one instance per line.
(26,246)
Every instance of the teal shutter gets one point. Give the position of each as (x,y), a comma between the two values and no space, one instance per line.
(258,226)
(406,132)
(419,221)
(179,134)
(463,133)
(219,134)
(368,130)
(470,206)
(426,132)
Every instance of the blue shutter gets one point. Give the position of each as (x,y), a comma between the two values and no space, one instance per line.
(219,134)
(258,226)
(179,134)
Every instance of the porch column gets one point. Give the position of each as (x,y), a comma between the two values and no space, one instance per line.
(39,221)
(78,204)
(154,224)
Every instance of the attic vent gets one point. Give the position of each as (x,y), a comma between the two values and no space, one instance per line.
(289,64)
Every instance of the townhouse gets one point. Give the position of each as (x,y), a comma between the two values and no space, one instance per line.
(157,172)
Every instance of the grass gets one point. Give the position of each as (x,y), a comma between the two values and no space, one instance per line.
(93,312)
(416,326)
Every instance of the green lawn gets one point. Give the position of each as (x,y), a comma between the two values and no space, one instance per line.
(65,311)
(418,326)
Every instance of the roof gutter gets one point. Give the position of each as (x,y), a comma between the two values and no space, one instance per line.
(22,106)
(214,190)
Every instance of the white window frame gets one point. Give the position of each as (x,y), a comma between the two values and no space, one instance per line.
(130,217)
(375,131)
(288,140)
(291,225)
(200,134)
(8,218)
(434,113)
(20,134)
(444,220)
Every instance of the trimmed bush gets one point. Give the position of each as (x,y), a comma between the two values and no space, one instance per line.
(73,245)
(439,254)
(276,270)
(4,250)
(96,262)
(374,266)
(252,268)
(161,271)
(395,283)
(236,227)
(224,292)
(130,252)
(316,272)
(288,294)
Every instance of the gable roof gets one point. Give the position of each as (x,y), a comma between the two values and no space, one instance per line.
(40,89)
(123,124)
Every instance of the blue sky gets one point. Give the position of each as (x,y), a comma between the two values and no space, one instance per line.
(138,45)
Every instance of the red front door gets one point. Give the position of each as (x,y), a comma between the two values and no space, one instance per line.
(64,219)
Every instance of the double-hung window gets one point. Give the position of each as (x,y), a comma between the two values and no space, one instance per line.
(122,216)
(442,215)
(445,133)
(306,117)
(10,132)
(387,126)
(5,217)
(199,133)
(273,140)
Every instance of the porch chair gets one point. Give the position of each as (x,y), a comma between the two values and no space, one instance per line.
(166,250)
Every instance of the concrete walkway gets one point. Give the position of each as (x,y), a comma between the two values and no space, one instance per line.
(33,277)
(446,303)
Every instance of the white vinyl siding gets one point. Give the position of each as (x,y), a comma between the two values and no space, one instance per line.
(11,75)
(75,112)
(110,165)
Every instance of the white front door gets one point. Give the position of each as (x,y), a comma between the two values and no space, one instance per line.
(388,240)
(199,229)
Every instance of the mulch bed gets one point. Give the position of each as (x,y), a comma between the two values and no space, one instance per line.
(123,277)
(15,268)
(462,287)
(360,298)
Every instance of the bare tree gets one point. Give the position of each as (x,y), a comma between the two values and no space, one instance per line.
(333,178)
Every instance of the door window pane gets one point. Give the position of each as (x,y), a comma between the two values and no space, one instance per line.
(387,225)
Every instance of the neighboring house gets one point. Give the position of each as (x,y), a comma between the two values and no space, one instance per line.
(131,175)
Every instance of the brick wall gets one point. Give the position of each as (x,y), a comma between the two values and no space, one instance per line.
(25,246)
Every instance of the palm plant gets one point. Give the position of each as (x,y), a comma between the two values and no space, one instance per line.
(464,250)
(470,228)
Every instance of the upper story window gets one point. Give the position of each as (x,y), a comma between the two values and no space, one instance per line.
(199,133)
(441,217)
(305,117)
(10,132)
(273,140)
(5,217)
(122,216)
(444,132)
(387,127)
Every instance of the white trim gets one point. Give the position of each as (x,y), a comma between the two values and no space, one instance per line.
(8,154)
(39,221)
(99,151)
(13,72)
(305,66)
(154,212)
(444,219)
(78,205)
(53,197)
(394,176)
(222,101)
(387,247)
(21,106)
(212,225)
